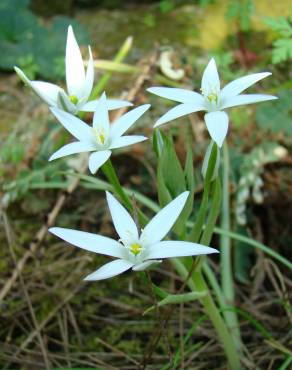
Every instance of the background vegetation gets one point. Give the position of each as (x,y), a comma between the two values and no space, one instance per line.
(48,314)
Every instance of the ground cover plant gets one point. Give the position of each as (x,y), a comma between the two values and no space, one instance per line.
(179,204)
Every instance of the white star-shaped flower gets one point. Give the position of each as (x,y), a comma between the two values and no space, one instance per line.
(102,137)
(136,249)
(213,100)
(79,83)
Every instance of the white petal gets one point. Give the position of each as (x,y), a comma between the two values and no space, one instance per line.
(123,222)
(169,249)
(210,79)
(127,120)
(160,224)
(179,95)
(72,148)
(111,104)
(101,118)
(122,141)
(117,104)
(109,270)
(179,111)
(74,125)
(75,74)
(65,104)
(217,125)
(90,242)
(247,99)
(145,265)
(237,86)
(45,90)
(89,78)
(97,159)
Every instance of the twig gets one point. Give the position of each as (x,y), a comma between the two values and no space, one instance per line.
(27,297)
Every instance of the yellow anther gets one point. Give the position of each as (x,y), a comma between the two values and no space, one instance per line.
(135,248)
(73,99)
(100,135)
(101,138)
(212,97)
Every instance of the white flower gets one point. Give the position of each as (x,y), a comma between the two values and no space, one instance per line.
(100,139)
(212,100)
(136,249)
(79,83)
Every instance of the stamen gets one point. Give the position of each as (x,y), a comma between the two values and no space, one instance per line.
(73,99)
(135,248)
(100,135)
(212,97)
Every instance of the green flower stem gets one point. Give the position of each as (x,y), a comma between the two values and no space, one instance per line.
(226,258)
(197,283)
(196,231)
(110,173)
(119,57)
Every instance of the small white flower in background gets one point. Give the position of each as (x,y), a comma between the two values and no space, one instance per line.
(103,137)
(79,83)
(213,100)
(136,249)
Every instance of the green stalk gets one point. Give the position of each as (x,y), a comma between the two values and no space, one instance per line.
(110,173)
(119,57)
(226,257)
(196,231)
(197,283)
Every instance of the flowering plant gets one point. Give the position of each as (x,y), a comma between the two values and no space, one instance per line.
(140,246)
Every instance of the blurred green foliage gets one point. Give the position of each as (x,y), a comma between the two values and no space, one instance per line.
(26,42)
(282,47)
(241,11)
(276,116)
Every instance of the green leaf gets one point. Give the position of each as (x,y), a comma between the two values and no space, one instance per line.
(158,142)
(276,116)
(177,299)
(171,169)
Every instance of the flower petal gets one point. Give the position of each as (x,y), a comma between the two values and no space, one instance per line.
(127,120)
(97,159)
(217,125)
(145,265)
(240,84)
(247,99)
(160,224)
(179,111)
(117,104)
(111,104)
(75,74)
(122,141)
(210,79)
(100,117)
(89,78)
(74,125)
(45,90)
(72,148)
(169,249)
(109,270)
(123,222)
(179,95)
(90,242)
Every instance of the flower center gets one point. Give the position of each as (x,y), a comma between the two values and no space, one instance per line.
(212,97)
(73,99)
(100,135)
(135,248)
